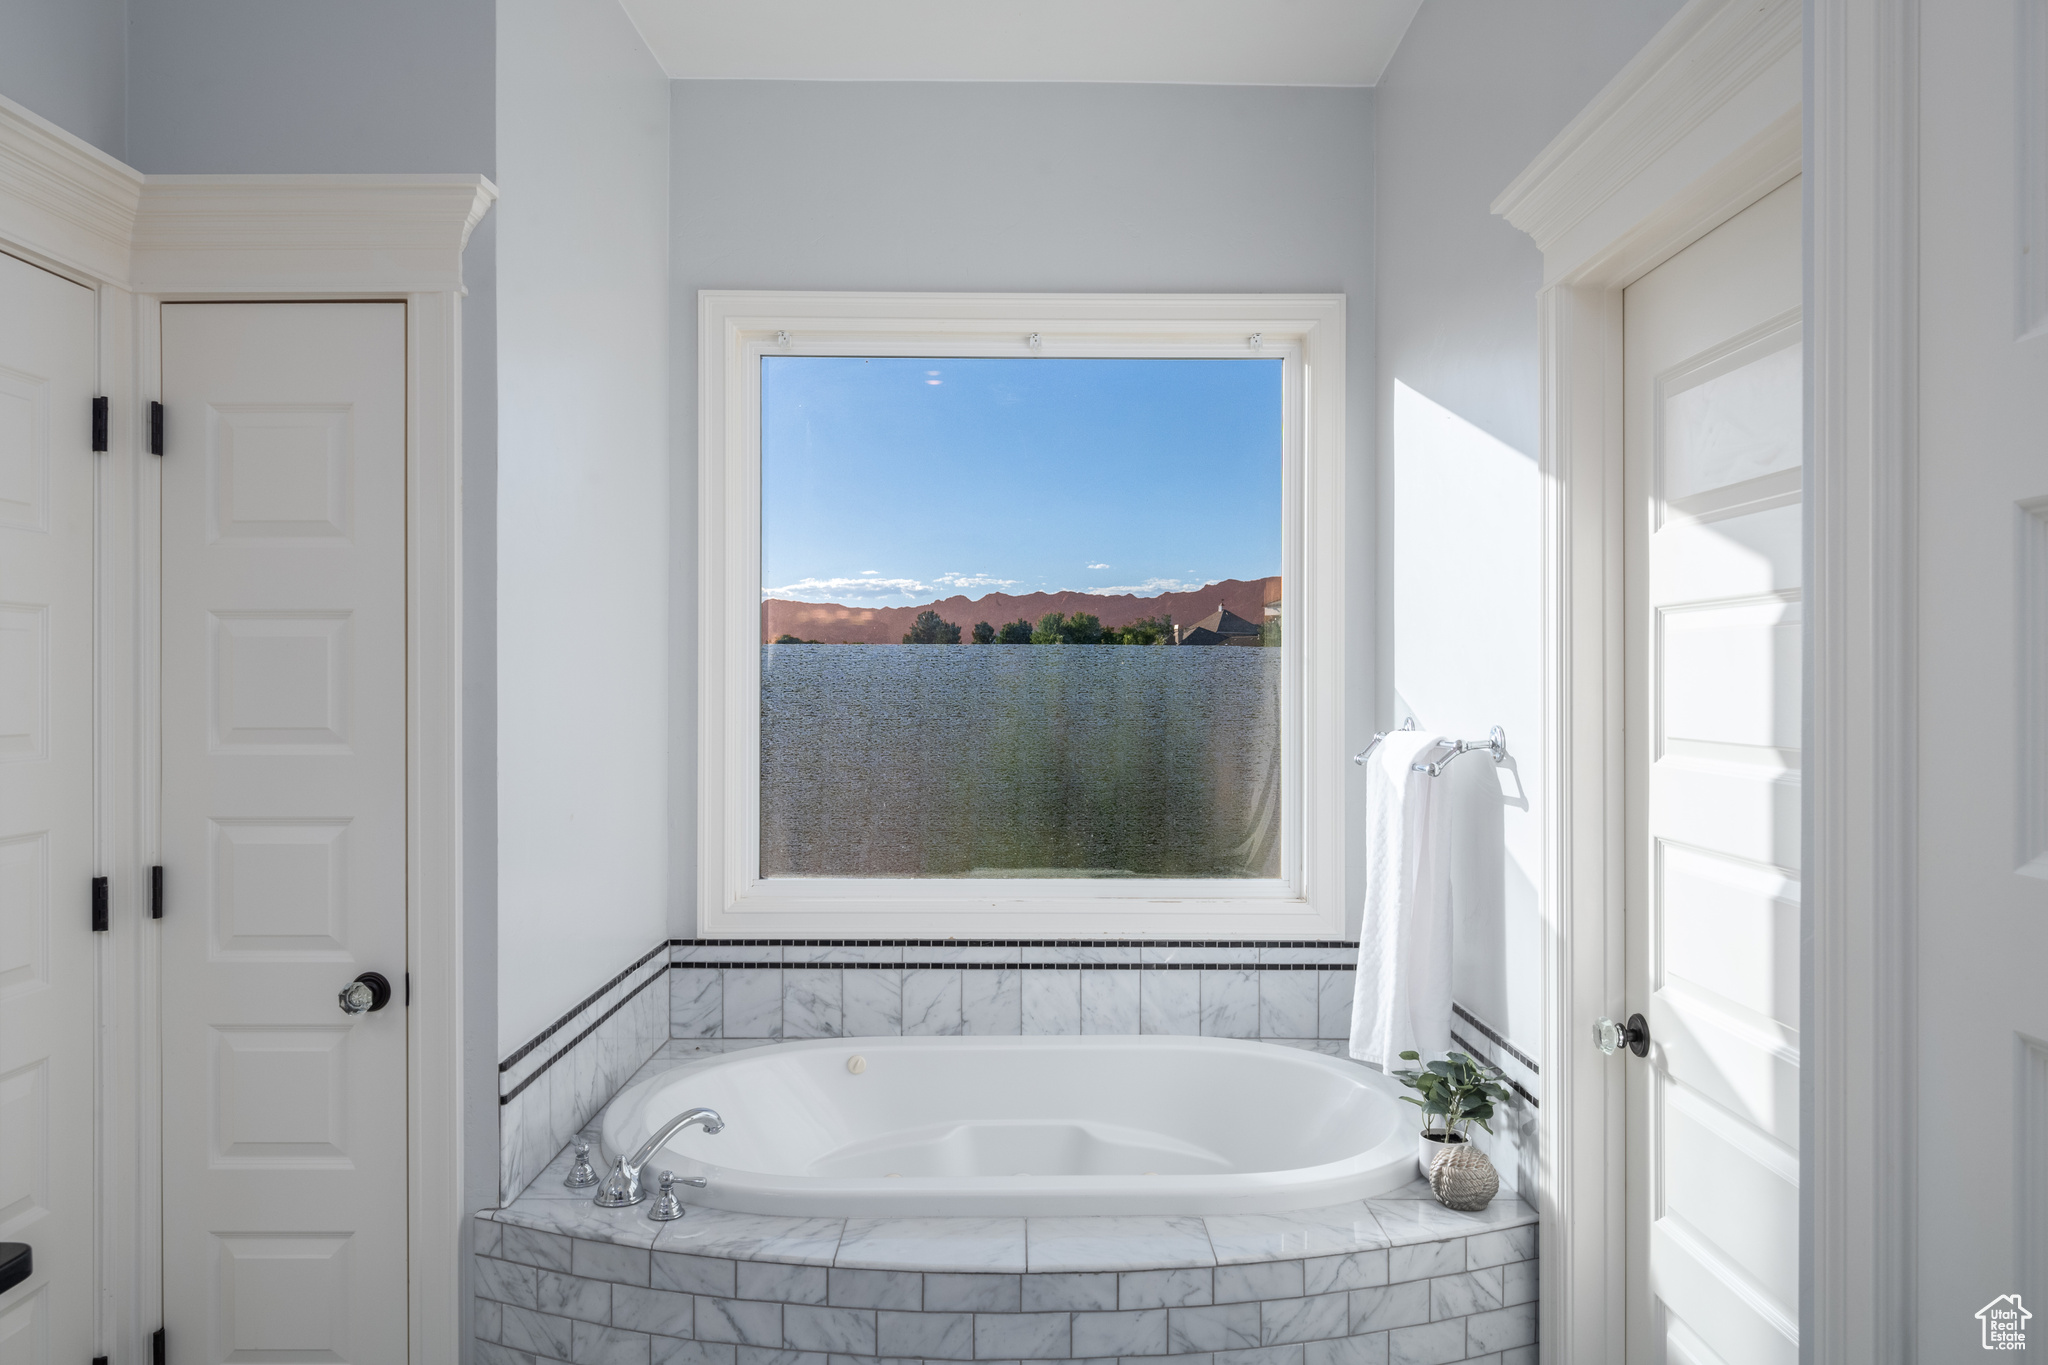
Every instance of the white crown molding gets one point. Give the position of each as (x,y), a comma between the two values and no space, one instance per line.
(341,233)
(1722,74)
(65,202)
(63,199)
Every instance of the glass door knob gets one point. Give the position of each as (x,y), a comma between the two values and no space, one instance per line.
(366,994)
(1611,1037)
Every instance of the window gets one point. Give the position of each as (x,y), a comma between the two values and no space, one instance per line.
(1020,616)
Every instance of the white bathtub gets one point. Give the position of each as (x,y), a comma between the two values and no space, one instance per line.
(1025,1126)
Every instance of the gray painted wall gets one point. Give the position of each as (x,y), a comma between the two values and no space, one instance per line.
(229,86)
(68,61)
(583,464)
(372,85)
(823,185)
(1475,91)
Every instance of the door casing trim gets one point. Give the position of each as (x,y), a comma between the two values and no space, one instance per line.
(1702,123)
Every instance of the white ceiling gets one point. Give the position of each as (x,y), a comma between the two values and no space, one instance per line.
(1219,42)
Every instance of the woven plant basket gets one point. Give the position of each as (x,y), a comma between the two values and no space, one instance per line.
(1462,1178)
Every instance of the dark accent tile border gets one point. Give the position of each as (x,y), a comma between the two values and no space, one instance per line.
(552,1029)
(569,1046)
(1503,1044)
(1014,942)
(1014,966)
(1513,1084)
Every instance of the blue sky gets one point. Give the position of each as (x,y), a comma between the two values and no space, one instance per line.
(892,481)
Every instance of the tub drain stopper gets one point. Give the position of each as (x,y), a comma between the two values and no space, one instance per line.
(856,1064)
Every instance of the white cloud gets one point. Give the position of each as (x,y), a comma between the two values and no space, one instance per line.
(1151,587)
(1098,566)
(871,588)
(835,589)
(967,582)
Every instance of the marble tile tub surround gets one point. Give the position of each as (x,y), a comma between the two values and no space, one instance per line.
(1297,993)
(1397,1280)
(555,1084)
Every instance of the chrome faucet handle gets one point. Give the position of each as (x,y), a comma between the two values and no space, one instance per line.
(695,1182)
(581,1176)
(621,1189)
(667,1208)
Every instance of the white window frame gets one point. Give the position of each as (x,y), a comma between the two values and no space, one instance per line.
(736,329)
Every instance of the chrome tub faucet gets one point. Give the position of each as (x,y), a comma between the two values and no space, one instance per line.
(621,1189)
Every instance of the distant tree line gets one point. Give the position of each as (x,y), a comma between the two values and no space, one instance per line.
(1053,628)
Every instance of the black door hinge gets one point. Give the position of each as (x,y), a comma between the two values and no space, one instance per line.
(156,892)
(99,905)
(99,426)
(156,1347)
(156,428)
(408,990)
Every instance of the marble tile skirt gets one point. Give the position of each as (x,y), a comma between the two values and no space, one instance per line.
(1397,1280)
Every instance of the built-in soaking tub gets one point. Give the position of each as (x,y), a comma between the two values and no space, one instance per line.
(878,1127)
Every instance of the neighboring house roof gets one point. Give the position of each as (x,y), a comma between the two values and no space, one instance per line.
(1221,627)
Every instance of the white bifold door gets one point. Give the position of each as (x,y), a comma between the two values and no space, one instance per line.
(47,860)
(284,832)
(1714,393)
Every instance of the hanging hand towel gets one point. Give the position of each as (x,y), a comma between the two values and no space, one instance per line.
(1403,995)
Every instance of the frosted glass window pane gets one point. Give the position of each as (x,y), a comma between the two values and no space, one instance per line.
(1020,618)
(1735,426)
(1019,761)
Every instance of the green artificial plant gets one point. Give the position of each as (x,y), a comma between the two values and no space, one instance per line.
(1456,1092)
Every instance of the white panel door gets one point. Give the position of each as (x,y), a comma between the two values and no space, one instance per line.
(48,377)
(1714,441)
(47,953)
(1982,802)
(284,834)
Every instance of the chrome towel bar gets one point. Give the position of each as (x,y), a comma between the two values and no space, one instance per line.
(1495,743)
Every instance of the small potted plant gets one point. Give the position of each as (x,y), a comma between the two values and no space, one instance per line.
(1454,1094)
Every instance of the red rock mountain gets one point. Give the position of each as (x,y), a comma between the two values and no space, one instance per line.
(832,624)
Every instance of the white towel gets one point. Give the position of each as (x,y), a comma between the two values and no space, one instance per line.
(1403,996)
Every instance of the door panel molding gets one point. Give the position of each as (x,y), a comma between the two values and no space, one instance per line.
(1714,735)
(284,753)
